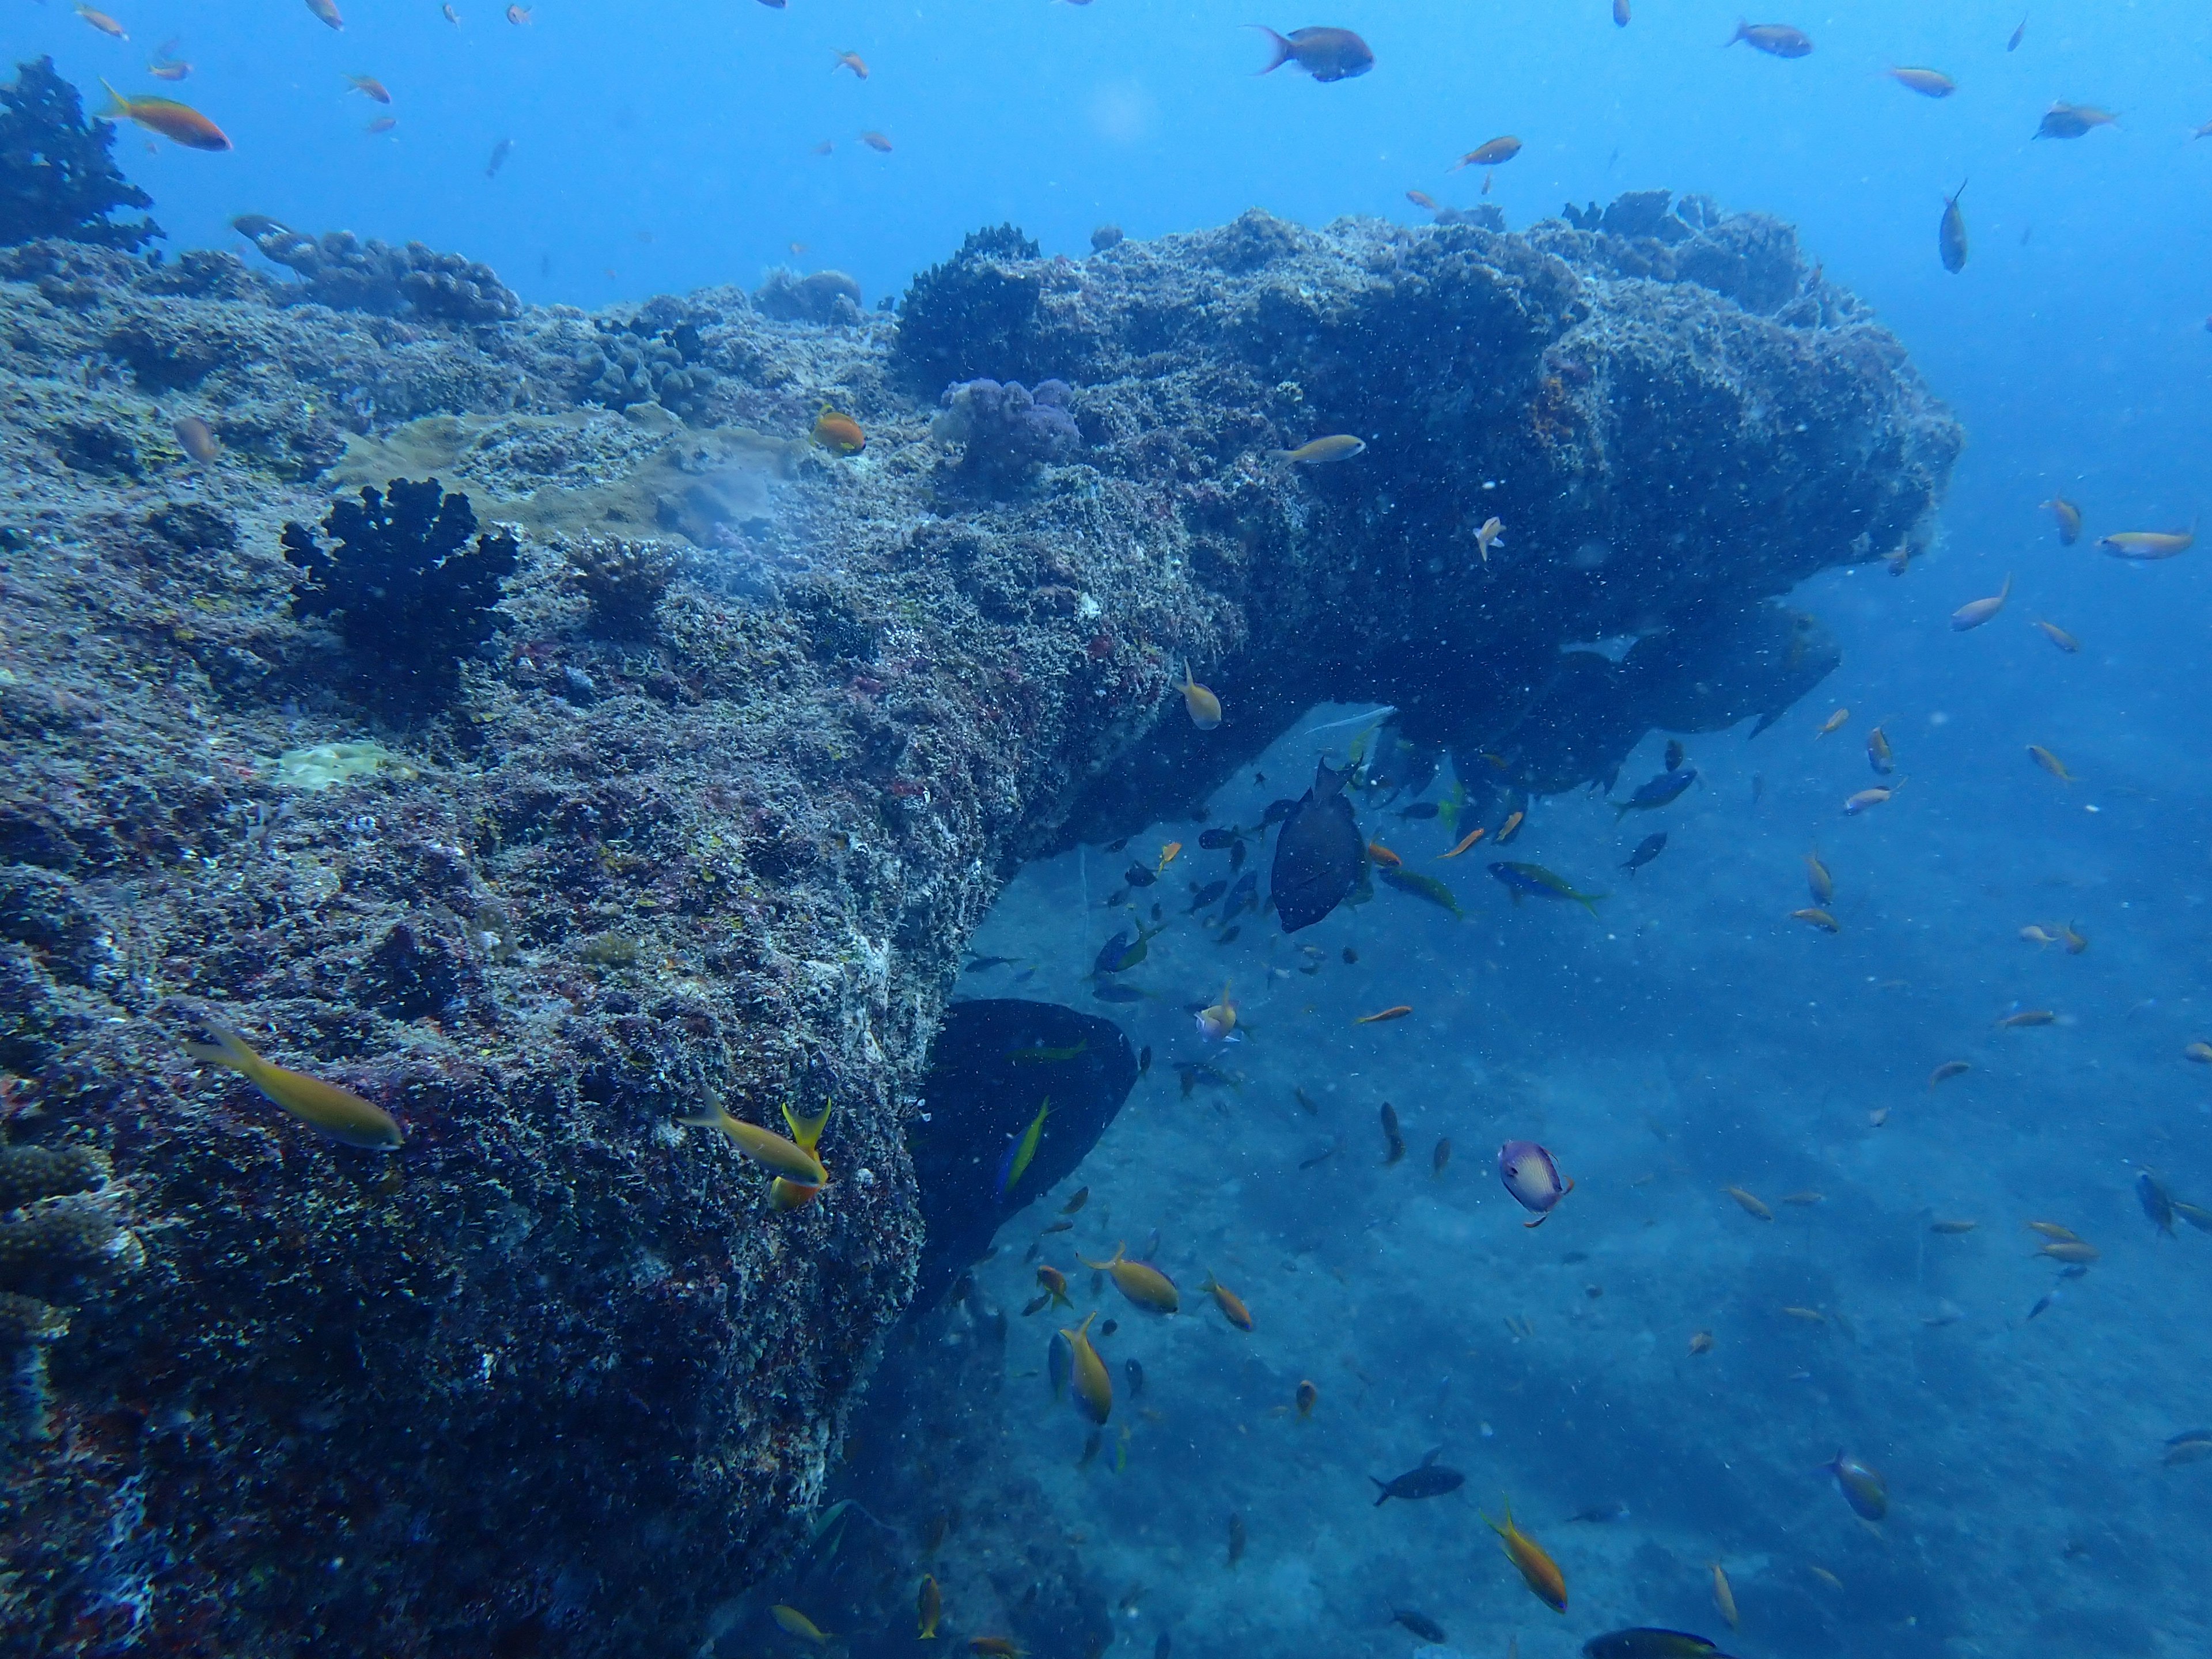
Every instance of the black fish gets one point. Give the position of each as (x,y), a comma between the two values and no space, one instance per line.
(1277,812)
(1137,875)
(1395,1141)
(1318,1158)
(1675,754)
(1667,787)
(1430,1479)
(1236,856)
(1319,855)
(1245,893)
(1419,1623)
(1235,1539)
(1646,850)
(1214,839)
(1420,809)
(976,964)
(1645,1642)
(1135,1373)
(1951,233)
(1202,897)
(1228,936)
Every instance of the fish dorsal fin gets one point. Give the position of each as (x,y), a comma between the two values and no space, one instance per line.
(807,1130)
(1435,1452)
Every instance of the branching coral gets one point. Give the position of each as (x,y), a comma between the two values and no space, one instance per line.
(408,594)
(1006,430)
(346,274)
(623,580)
(58,172)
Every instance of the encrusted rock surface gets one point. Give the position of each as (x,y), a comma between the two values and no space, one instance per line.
(555,1377)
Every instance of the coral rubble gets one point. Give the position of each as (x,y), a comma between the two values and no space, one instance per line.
(478,1388)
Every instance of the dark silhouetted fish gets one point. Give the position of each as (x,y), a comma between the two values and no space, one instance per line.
(1202,897)
(1430,1479)
(1419,1623)
(1646,850)
(1645,1642)
(1319,855)
(1244,895)
(1951,234)
(1277,812)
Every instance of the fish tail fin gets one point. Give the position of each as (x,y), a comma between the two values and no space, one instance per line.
(1741,24)
(1382,1492)
(807,1130)
(118,104)
(1284,52)
(229,1050)
(1620,812)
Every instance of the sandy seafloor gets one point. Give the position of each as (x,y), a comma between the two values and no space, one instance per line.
(1691,1038)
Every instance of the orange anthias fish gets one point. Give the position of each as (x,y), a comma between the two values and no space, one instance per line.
(852,61)
(875,141)
(1398,1013)
(370,85)
(2068,517)
(1168,852)
(1538,1570)
(840,434)
(1496,153)
(1467,841)
(1383,856)
(1422,199)
(1835,722)
(1143,1284)
(2050,763)
(1231,1305)
(179,122)
(102,21)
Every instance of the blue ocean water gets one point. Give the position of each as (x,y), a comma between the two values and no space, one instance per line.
(1689,1038)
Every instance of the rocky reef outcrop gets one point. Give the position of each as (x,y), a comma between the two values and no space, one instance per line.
(558,1376)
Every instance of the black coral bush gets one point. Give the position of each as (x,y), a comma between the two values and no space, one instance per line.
(407,592)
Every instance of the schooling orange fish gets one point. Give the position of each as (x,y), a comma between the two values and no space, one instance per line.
(179,124)
(1467,841)
(1538,1570)
(1383,856)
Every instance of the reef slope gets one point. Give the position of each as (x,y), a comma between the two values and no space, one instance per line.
(555,1377)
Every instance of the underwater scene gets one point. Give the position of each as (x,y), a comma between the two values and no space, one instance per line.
(1099,827)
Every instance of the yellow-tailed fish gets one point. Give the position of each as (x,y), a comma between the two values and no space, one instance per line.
(763,1145)
(1835,722)
(1339,446)
(1146,1286)
(1538,1570)
(1493,534)
(1094,1389)
(929,1606)
(342,1115)
(103,22)
(1975,612)
(1015,1162)
(2050,763)
(2144,545)
(1723,1597)
(1201,704)
(798,1624)
(180,124)
(1818,879)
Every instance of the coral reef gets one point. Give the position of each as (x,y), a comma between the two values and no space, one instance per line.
(624,581)
(340,270)
(57,172)
(1005,430)
(820,296)
(28,1173)
(409,595)
(477,1388)
(645,360)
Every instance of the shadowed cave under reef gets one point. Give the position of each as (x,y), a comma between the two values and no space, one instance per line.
(555,1378)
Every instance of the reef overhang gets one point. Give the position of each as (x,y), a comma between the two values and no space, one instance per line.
(557,1376)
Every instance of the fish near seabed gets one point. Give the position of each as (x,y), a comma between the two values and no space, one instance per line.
(1338,447)
(342,1115)
(1319,853)
(1951,234)
(1327,54)
(786,1157)
(1975,612)
(2157,1203)
(1537,1570)
(1143,1284)
(1520,879)
(928,1607)
(1495,152)
(1430,1480)
(1862,1489)
(1532,1176)
(1650,1641)
(1774,40)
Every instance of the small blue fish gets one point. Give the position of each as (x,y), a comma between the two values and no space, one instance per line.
(1666,787)
(1059,1363)
(1646,850)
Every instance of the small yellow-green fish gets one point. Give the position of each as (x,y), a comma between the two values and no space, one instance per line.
(1723,1597)
(1946,1071)
(1022,1148)
(2147,544)
(2069,518)
(2052,1230)
(2073,939)
(1339,446)
(1806,1200)
(1818,879)
(180,124)
(2071,1250)
(1928,83)
(1307,1396)
(2027,1017)
(784,1193)
(1813,917)
(342,1115)
(2050,763)
(785,1156)
(1510,827)
(1467,841)
(1050,1057)
(1146,1286)
(1094,1389)
(1975,612)
(1835,722)
(1878,752)
(1750,1203)
(798,1624)
(929,1606)
(840,434)
(1232,1307)
(2189,1446)
(1496,153)
(1201,704)
(2195,1214)
(2059,637)
(1538,1570)
(1825,1576)
(1861,1487)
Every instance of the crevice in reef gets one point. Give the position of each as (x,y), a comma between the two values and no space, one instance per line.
(558,1369)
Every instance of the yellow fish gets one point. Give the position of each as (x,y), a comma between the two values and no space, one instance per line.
(2073,939)
(1817,918)
(1146,1286)
(2147,544)
(1975,612)
(180,124)
(798,1624)
(1094,1389)
(1878,752)
(1231,1305)
(2050,763)
(1201,704)
(840,434)
(1339,446)
(1818,879)
(2059,637)
(1835,722)
(102,21)
(1723,1597)
(2070,520)
(1538,1570)
(1168,852)
(2070,1250)
(342,1115)
(929,1607)
(792,1158)
(1752,1206)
